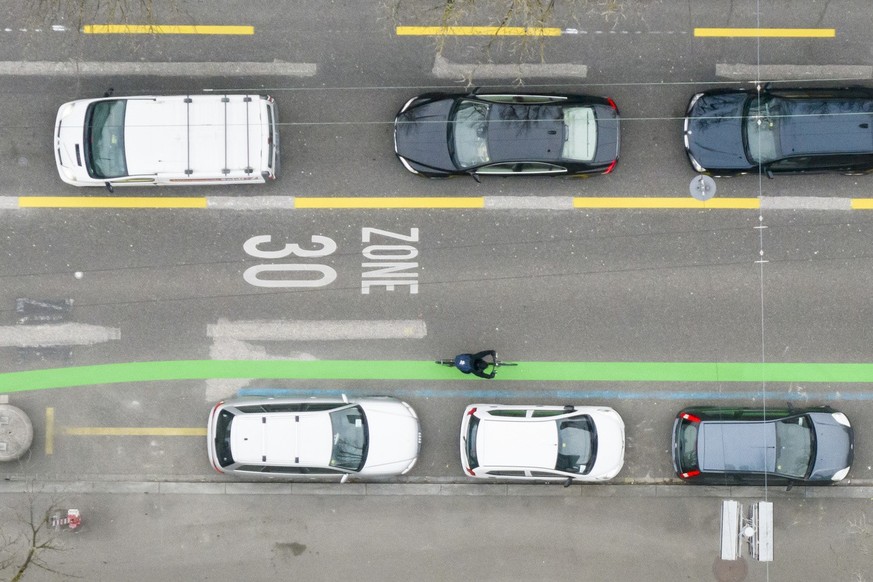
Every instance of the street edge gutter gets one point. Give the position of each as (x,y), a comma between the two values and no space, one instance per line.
(431,489)
(255,203)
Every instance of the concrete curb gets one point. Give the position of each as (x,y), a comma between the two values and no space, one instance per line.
(11,486)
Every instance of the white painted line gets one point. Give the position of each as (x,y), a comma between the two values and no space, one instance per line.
(56,334)
(250,202)
(318,330)
(443,69)
(742,72)
(529,202)
(183,69)
(805,203)
(8,202)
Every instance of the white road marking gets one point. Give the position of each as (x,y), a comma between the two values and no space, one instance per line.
(742,72)
(805,203)
(443,69)
(179,69)
(529,202)
(250,202)
(317,330)
(57,334)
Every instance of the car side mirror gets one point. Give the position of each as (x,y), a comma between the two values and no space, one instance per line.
(790,486)
(769,174)
(475,177)
(344,478)
(109,187)
(568,482)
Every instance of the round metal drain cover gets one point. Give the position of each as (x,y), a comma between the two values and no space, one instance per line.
(16,432)
(702,187)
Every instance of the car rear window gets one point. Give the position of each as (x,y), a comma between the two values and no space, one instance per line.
(580,134)
(472,431)
(687,439)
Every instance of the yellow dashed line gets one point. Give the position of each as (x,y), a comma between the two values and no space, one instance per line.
(476,31)
(49,431)
(726,203)
(132,431)
(164,29)
(767,32)
(374,202)
(108,202)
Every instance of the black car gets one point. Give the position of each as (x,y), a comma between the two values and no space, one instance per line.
(724,445)
(734,131)
(438,135)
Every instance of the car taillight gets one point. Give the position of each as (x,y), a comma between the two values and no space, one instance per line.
(690,474)
(470,471)
(689,417)
(471,411)
(611,167)
(612,103)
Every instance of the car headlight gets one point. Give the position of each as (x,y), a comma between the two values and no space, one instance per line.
(840,475)
(841,418)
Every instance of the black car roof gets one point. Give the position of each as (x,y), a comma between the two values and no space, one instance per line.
(525,132)
(826,126)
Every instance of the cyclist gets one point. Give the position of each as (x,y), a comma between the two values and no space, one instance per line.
(476,364)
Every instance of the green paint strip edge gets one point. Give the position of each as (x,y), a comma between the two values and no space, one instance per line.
(419,370)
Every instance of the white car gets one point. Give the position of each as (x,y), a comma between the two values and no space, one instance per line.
(314,437)
(542,443)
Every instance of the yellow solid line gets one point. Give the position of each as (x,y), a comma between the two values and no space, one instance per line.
(164,29)
(49,431)
(108,202)
(476,31)
(132,431)
(862,203)
(768,32)
(719,203)
(396,202)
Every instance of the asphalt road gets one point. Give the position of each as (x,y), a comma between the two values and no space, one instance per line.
(622,285)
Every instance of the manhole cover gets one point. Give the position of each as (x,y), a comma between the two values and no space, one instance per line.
(16,432)
(730,570)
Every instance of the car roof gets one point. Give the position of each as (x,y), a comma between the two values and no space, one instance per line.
(525,132)
(517,442)
(282,438)
(826,126)
(737,446)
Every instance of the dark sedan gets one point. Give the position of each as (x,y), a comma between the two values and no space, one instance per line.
(791,131)
(438,135)
(725,445)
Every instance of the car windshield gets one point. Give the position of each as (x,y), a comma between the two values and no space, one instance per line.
(104,139)
(470,134)
(577,444)
(794,446)
(762,129)
(350,438)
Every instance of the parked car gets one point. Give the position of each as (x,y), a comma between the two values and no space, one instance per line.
(175,140)
(438,135)
(542,443)
(782,131)
(371,436)
(726,445)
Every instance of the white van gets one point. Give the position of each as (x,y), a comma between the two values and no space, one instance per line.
(179,140)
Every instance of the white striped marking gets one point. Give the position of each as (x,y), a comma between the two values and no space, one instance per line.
(317,330)
(56,334)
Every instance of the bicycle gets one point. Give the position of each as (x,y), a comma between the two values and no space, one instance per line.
(494,363)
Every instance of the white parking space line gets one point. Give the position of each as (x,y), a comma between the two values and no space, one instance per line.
(317,330)
(529,202)
(805,203)
(183,69)
(56,334)
(443,69)
(743,72)
(250,202)
(233,340)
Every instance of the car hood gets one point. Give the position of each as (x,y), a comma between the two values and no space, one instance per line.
(421,135)
(834,450)
(610,444)
(394,437)
(715,131)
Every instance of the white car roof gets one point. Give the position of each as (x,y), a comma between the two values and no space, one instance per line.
(281,439)
(518,443)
